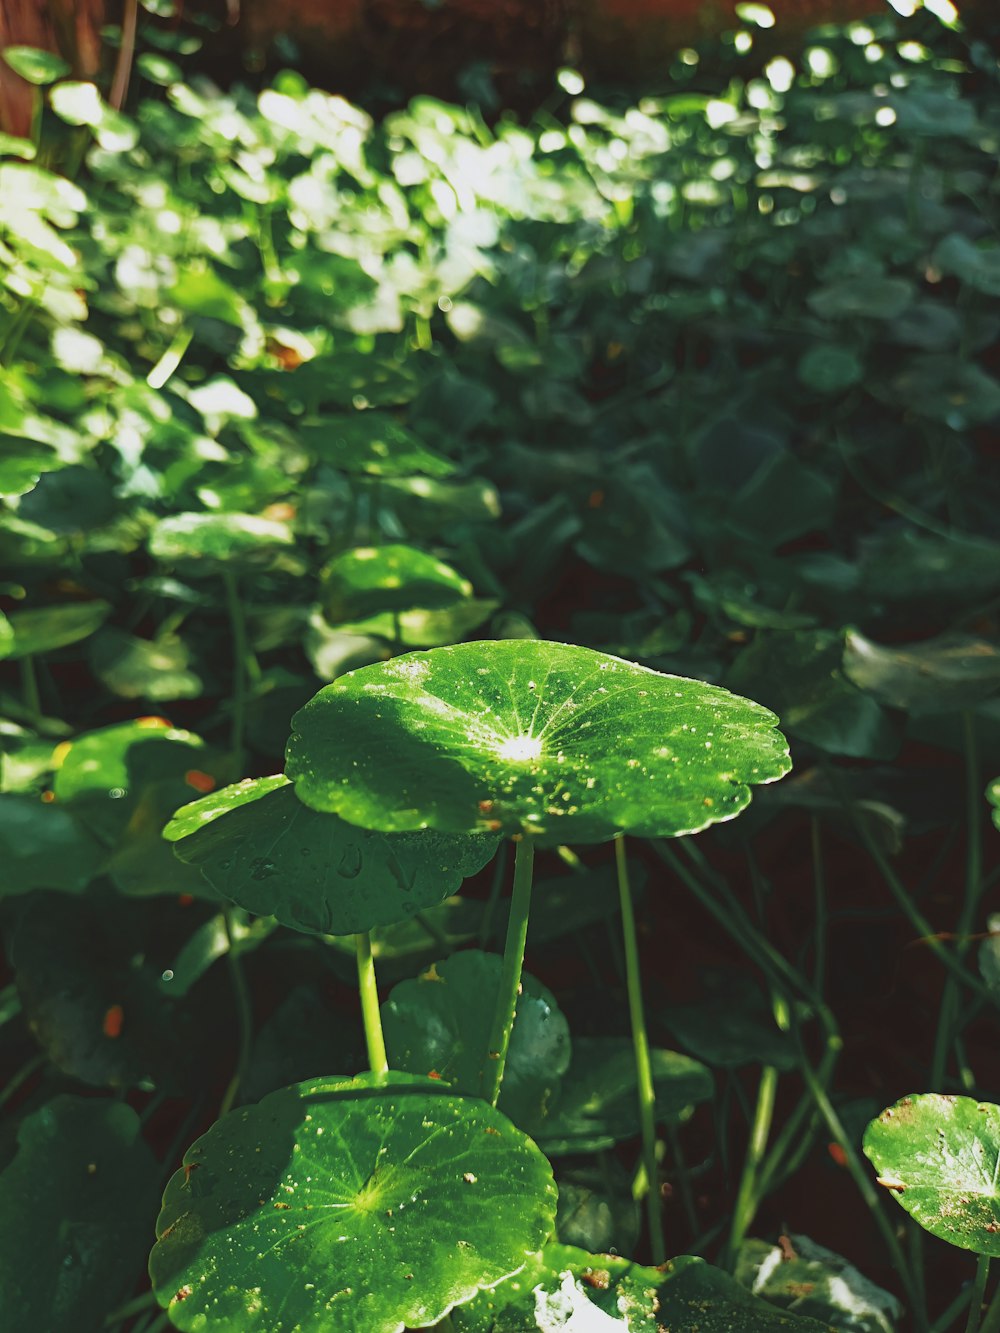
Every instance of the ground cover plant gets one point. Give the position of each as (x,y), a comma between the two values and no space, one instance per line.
(399,512)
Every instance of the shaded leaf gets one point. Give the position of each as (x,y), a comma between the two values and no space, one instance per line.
(371,580)
(74,1207)
(257,844)
(936,676)
(442,1021)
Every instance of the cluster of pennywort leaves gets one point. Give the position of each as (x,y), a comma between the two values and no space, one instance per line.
(706,384)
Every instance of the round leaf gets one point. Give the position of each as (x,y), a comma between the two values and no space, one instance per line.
(43,846)
(374,579)
(155,669)
(36,66)
(217,537)
(74,1207)
(334,1206)
(598,1102)
(936,676)
(256,843)
(442,1020)
(940,1158)
(993,796)
(373,443)
(525,736)
(51,627)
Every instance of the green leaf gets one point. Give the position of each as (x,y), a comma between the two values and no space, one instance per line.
(339,1205)
(814,1281)
(373,443)
(563,743)
(798,675)
(830,369)
(217,538)
(598,1103)
(597,1210)
(44,847)
(993,796)
(731,1025)
(939,1156)
(422,628)
(947,389)
(51,627)
(442,1020)
(864,297)
(153,669)
(935,676)
(257,844)
(978,266)
(564,1288)
(74,1207)
(36,66)
(371,580)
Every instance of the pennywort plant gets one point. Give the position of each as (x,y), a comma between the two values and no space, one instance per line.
(388,1199)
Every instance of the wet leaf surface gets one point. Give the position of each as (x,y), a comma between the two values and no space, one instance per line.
(339,1205)
(442,1020)
(527,736)
(257,844)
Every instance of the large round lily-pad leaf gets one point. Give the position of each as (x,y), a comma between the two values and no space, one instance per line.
(257,844)
(340,1205)
(74,1206)
(523,736)
(940,1157)
(369,580)
(441,1021)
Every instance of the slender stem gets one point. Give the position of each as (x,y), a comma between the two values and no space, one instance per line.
(378,1062)
(245,666)
(170,359)
(945,1320)
(29,687)
(683,1178)
(643,1061)
(867,1190)
(437,937)
(819,893)
(489,912)
(978,1292)
(948,1015)
(126,52)
(747,1196)
(991,1324)
(244,1016)
(126,1311)
(904,900)
(510,973)
(20,1078)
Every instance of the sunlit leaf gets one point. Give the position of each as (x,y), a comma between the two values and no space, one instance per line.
(338,1205)
(522,735)
(938,1156)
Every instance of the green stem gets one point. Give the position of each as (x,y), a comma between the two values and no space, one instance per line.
(747,1195)
(945,1320)
(29,687)
(244,1016)
(643,1061)
(490,911)
(19,1079)
(371,1016)
(510,974)
(978,1292)
(136,1306)
(170,359)
(245,667)
(991,1324)
(867,1190)
(904,900)
(951,995)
